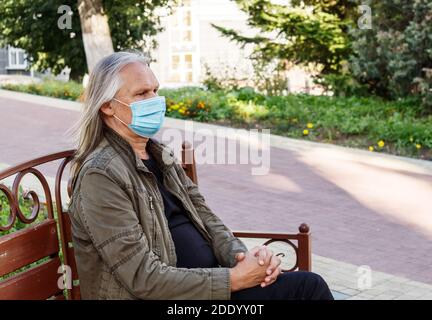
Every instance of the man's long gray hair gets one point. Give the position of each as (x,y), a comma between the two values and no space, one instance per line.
(103,84)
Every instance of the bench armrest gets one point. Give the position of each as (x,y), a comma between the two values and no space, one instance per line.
(302,248)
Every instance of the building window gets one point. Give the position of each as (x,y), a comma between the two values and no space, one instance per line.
(175,62)
(181,67)
(187,18)
(17,58)
(188,61)
(181,25)
(187,36)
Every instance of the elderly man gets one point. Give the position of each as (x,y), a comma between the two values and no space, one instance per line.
(141,229)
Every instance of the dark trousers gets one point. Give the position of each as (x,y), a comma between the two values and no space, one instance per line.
(298,285)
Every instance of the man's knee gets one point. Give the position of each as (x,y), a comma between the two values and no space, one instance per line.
(318,285)
(313,277)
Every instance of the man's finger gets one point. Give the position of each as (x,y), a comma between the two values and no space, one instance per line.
(255,250)
(240,256)
(276,273)
(274,264)
(262,254)
(269,255)
(266,284)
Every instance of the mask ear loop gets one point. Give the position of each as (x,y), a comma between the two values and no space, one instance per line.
(118,117)
(121,102)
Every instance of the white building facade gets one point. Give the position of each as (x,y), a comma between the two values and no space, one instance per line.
(189,42)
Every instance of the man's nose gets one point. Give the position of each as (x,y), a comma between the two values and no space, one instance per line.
(154,94)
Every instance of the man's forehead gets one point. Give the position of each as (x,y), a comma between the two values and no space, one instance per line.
(138,76)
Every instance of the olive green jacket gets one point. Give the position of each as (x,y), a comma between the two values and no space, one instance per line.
(123,247)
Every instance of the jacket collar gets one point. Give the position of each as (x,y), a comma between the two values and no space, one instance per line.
(163,155)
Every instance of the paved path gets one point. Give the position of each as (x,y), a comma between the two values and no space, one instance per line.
(363,209)
(352,282)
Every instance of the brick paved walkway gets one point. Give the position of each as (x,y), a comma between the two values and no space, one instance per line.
(362,211)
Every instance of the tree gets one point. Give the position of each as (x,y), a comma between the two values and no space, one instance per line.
(304,32)
(394,58)
(33,26)
(95,31)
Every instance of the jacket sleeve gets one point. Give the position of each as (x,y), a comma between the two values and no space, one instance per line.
(225,244)
(113,226)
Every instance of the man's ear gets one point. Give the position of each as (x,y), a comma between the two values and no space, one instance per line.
(107,109)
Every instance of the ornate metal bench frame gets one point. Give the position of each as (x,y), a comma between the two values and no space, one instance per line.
(24,247)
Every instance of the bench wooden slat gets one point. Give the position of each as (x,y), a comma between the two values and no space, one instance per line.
(28,245)
(37,283)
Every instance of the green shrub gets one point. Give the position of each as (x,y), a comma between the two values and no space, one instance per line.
(342,85)
(394,58)
(64,90)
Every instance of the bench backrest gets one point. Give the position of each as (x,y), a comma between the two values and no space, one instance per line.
(20,276)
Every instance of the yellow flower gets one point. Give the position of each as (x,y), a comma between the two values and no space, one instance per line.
(371,148)
(305,132)
(381,144)
(411,139)
(201,105)
(310,125)
(418,146)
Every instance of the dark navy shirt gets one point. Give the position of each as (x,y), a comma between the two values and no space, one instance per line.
(192,249)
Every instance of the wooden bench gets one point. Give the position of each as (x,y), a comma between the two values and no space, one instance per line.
(51,239)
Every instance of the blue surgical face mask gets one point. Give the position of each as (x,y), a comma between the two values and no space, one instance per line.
(147,116)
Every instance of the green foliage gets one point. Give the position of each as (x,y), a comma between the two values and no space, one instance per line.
(211,81)
(394,58)
(307,32)
(224,77)
(267,79)
(351,121)
(32,26)
(70,90)
(132,23)
(342,85)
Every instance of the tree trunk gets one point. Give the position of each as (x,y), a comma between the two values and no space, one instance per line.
(95,31)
